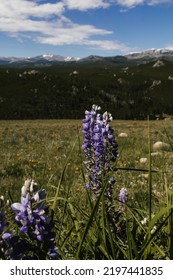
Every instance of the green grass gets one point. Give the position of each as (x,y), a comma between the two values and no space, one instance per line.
(39,149)
(49,151)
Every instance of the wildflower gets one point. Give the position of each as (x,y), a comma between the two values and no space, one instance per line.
(17,248)
(144,221)
(3,227)
(123,196)
(3,221)
(33,219)
(153,230)
(100,149)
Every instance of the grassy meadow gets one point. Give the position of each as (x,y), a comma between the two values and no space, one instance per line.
(49,151)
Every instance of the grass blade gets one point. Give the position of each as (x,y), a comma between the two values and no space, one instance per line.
(62,176)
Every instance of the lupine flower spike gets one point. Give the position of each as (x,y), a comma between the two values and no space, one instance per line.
(100,150)
(34,221)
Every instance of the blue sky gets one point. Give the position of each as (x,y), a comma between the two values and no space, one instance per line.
(83,27)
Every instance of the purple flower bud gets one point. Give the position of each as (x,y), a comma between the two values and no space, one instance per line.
(6,235)
(111,181)
(18,207)
(123,196)
(24,229)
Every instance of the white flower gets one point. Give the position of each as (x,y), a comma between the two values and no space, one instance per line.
(27,187)
(153,229)
(32,186)
(144,221)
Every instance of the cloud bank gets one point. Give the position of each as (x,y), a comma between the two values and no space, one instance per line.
(45,22)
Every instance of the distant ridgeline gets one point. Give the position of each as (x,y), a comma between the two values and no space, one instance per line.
(132,88)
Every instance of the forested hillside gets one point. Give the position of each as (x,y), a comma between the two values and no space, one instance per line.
(66,91)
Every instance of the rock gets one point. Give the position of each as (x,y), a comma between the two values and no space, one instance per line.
(155,83)
(160,145)
(158,63)
(155,154)
(170,78)
(143,160)
(123,135)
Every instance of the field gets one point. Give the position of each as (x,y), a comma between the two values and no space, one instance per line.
(49,151)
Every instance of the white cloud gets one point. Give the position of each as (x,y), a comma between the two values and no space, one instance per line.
(24,9)
(45,22)
(108,45)
(134,3)
(169,47)
(86,4)
(159,2)
(129,3)
(72,34)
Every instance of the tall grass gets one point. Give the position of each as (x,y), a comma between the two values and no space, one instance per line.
(141,228)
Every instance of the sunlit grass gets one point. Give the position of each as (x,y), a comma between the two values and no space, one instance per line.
(49,152)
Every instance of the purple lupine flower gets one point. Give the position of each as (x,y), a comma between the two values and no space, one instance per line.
(4,234)
(3,221)
(12,247)
(123,197)
(34,220)
(100,149)
(15,248)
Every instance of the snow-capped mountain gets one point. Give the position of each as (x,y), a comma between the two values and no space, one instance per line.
(51,59)
(58,58)
(45,58)
(152,53)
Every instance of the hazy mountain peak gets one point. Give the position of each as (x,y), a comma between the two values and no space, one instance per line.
(50,59)
(151,53)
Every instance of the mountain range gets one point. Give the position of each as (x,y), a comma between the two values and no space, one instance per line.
(133,86)
(51,59)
